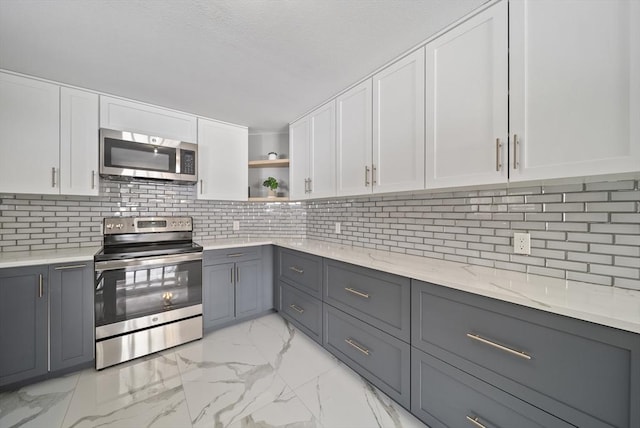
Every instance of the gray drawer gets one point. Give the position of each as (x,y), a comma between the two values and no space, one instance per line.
(578,371)
(442,396)
(381,299)
(303,271)
(381,358)
(303,310)
(229,255)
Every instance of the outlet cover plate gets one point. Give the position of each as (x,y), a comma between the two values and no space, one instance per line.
(338,229)
(522,243)
(236,225)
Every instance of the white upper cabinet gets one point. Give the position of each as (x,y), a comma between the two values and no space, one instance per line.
(466,102)
(322,178)
(398,125)
(29,135)
(124,115)
(312,142)
(299,139)
(574,88)
(78,142)
(354,140)
(223,154)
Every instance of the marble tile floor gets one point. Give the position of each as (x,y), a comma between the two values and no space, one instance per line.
(260,373)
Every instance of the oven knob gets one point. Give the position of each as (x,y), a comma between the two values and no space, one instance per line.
(119,226)
(173,224)
(109,226)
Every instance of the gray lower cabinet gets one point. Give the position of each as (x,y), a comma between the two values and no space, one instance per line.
(304,311)
(71,314)
(443,396)
(218,294)
(234,285)
(381,358)
(586,374)
(301,270)
(23,323)
(378,298)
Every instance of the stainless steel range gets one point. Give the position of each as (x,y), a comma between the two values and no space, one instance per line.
(148,290)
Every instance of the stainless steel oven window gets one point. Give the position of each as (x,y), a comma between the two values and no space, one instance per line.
(129,292)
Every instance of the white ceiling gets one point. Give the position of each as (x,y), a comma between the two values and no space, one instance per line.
(260,63)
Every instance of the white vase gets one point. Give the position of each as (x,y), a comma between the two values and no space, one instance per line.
(272,193)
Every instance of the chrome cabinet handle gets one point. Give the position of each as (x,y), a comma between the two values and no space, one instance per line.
(93,179)
(231,279)
(515,151)
(297,270)
(237,275)
(296,308)
(70,267)
(310,187)
(201,186)
(41,286)
(498,147)
(53,177)
(373,174)
(235,255)
(498,346)
(475,421)
(356,292)
(357,346)
(366,175)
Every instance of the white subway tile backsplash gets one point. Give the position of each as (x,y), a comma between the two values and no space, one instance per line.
(579,232)
(567,237)
(32,222)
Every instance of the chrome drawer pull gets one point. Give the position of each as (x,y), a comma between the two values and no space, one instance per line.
(475,421)
(360,348)
(41,287)
(498,346)
(235,255)
(357,293)
(295,269)
(296,308)
(70,267)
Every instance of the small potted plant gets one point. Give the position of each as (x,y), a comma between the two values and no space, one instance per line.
(271,184)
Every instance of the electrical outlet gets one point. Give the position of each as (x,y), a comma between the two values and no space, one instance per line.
(522,243)
(236,225)
(337,230)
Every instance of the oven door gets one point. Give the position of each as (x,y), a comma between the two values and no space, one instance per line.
(137,293)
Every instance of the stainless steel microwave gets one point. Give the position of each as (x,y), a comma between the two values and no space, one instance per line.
(126,155)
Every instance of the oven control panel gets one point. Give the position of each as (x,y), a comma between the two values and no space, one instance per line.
(117,225)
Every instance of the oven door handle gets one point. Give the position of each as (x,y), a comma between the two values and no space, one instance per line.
(146,262)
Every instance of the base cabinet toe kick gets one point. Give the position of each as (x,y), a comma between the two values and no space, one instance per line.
(456,359)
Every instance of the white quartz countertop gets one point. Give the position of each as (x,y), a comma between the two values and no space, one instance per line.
(610,306)
(46,257)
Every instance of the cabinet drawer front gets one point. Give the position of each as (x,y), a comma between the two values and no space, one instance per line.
(443,396)
(379,357)
(231,255)
(303,310)
(303,271)
(379,298)
(527,350)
